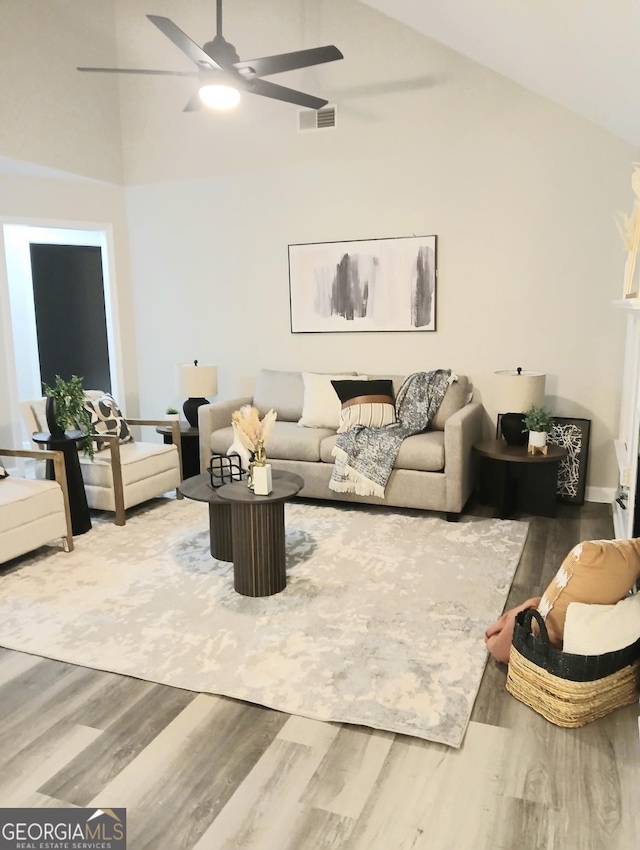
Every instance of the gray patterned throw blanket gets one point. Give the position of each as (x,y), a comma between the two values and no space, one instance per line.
(364,457)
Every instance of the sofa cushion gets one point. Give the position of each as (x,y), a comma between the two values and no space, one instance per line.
(287,442)
(456,397)
(368,403)
(26,500)
(140,461)
(423,452)
(282,391)
(596,629)
(321,407)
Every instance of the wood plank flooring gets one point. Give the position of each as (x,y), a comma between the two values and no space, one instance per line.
(202,772)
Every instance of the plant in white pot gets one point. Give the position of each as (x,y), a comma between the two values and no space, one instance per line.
(538,421)
(172,414)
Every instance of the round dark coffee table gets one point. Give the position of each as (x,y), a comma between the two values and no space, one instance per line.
(199,489)
(257,524)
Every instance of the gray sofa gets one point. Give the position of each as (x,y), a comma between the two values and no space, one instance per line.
(433,470)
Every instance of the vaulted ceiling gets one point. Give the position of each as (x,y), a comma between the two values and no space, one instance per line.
(582,54)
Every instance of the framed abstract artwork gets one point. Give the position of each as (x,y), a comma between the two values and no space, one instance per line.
(367,285)
(572,435)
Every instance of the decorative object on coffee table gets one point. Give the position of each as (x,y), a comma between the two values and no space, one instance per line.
(253,434)
(225,469)
(573,436)
(516,390)
(197,382)
(172,414)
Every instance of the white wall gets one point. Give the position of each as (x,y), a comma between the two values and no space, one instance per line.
(521,193)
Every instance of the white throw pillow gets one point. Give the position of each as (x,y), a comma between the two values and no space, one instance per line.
(596,629)
(321,407)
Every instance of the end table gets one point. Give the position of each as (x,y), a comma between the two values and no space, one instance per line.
(68,445)
(511,479)
(190,441)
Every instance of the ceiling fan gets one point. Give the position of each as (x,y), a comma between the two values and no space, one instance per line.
(222,74)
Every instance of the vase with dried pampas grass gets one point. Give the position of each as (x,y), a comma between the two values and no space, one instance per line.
(253,433)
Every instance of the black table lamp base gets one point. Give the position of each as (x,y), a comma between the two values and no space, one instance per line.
(513,429)
(190,408)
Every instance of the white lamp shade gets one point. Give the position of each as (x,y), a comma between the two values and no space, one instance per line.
(198,381)
(515,393)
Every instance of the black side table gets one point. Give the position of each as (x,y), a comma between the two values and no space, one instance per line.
(68,445)
(513,480)
(189,439)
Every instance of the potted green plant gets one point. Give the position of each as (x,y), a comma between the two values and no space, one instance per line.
(172,414)
(66,411)
(538,421)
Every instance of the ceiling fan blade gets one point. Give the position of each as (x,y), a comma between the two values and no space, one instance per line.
(281,93)
(193,104)
(290,61)
(141,71)
(184,43)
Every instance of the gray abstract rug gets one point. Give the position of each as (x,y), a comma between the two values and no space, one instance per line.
(381,622)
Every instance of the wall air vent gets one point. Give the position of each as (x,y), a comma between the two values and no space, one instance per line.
(317,119)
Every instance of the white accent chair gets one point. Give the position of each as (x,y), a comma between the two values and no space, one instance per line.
(32,511)
(124,474)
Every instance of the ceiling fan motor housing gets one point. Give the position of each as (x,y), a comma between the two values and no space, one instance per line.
(221,51)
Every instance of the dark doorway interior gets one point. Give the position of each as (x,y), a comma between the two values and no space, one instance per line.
(71,322)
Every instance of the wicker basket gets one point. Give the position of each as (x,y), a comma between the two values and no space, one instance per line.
(569,690)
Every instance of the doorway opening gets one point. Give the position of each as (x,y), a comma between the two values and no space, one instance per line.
(62,311)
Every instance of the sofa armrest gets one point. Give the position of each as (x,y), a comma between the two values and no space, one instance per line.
(212,417)
(461,431)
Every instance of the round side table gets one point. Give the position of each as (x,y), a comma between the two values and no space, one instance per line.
(513,480)
(68,445)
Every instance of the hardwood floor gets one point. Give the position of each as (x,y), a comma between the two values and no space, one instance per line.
(206,772)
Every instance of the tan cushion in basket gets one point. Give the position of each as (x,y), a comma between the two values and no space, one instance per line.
(598,572)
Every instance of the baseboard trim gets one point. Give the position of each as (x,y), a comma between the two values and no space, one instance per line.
(600,494)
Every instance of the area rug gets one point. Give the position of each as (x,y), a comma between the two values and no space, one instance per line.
(381,622)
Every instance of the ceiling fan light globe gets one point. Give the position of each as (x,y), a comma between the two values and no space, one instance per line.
(219,97)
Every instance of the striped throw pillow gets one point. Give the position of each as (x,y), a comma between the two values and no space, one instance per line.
(367,403)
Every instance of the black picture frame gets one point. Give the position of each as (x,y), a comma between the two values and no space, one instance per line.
(572,435)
